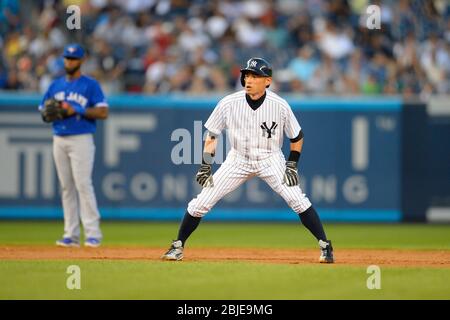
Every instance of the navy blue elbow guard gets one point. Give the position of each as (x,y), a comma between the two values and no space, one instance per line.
(298,138)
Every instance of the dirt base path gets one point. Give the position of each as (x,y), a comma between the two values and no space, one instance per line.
(411,258)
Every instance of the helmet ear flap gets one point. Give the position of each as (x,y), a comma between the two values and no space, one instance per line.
(243,79)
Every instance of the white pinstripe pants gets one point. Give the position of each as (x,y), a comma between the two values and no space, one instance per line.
(235,171)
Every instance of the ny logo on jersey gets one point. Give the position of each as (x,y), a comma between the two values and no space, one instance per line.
(270,131)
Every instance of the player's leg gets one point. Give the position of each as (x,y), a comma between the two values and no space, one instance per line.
(273,175)
(227,178)
(69,197)
(82,156)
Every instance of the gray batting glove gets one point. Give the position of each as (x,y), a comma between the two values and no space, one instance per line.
(291,178)
(204,176)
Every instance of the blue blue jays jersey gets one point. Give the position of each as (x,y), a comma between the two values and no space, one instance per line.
(85,92)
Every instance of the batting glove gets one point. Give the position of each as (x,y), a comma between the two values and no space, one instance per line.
(204,177)
(291,178)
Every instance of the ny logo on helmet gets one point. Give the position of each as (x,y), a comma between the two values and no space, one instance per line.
(253,63)
(270,131)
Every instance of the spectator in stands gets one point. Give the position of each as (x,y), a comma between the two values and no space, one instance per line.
(304,65)
(13,81)
(163,46)
(9,16)
(334,42)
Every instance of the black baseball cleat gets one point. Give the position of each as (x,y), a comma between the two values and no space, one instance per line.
(326,252)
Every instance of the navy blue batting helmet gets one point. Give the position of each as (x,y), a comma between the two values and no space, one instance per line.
(257,66)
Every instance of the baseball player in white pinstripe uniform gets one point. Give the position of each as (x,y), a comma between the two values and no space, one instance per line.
(255,120)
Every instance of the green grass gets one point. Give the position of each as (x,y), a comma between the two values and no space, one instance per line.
(117,279)
(260,235)
(201,280)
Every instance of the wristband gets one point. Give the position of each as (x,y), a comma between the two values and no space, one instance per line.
(294,156)
(207,158)
(79,109)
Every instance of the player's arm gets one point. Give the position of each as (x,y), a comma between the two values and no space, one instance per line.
(97,113)
(89,113)
(209,149)
(97,100)
(215,124)
(204,174)
(296,147)
(291,175)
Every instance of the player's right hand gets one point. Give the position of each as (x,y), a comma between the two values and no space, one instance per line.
(204,176)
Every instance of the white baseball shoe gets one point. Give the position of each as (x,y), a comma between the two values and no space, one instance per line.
(67,243)
(175,252)
(92,243)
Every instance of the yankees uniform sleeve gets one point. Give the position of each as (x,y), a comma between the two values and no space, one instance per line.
(291,126)
(97,98)
(216,121)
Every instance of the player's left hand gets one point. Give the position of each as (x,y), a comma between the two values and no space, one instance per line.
(53,110)
(291,178)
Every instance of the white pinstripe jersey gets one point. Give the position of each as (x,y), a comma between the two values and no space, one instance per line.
(254,134)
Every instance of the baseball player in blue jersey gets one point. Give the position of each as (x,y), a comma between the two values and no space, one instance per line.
(81,103)
(255,119)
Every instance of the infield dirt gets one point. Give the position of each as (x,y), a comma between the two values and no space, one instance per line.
(357,257)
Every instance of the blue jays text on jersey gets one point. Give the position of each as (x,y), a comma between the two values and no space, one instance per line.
(83,91)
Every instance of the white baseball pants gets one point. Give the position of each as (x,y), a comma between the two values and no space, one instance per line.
(74,159)
(235,170)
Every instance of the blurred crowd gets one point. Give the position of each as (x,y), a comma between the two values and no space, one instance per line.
(198,46)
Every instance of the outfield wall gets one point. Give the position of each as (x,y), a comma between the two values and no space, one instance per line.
(352,166)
